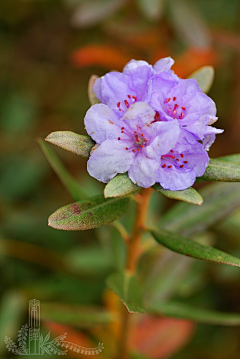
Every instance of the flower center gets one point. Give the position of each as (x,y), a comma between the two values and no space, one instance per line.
(173,109)
(173,159)
(124,105)
(137,140)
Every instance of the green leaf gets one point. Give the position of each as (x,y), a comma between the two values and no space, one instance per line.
(179,310)
(71,185)
(81,316)
(91,12)
(189,195)
(231,158)
(70,141)
(13,307)
(188,247)
(125,285)
(219,170)
(189,23)
(91,95)
(87,214)
(152,9)
(120,186)
(204,76)
(161,273)
(220,199)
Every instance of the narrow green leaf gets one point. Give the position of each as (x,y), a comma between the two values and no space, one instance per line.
(220,199)
(189,23)
(71,185)
(188,247)
(161,273)
(204,76)
(83,316)
(87,214)
(120,186)
(11,314)
(125,285)
(70,141)
(152,9)
(231,158)
(91,95)
(179,310)
(219,170)
(189,195)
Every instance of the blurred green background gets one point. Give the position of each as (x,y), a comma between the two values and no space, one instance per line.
(48,51)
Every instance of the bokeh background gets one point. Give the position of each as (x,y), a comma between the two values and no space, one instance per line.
(48,51)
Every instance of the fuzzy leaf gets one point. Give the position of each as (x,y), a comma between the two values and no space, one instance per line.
(179,310)
(92,213)
(70,141)
(188,247)
(219,170)
(231,158)
(204,76)
(189,195)
(120,186)
(220,199)
(71,185)
(125,285)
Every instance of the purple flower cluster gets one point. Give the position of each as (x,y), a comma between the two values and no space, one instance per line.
(151,124)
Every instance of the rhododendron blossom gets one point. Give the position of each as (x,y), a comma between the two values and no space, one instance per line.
(152,125)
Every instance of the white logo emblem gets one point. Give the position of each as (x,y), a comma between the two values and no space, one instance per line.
(31,342)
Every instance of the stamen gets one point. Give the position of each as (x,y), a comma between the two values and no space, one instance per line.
(126,103)
(184,108)
(169,166)
(175,106)
(142,134)
(141,146)
(163,166)
(145,139)
(119,138)
(126,148)
(122,128)
(181,116)
(177,159)
(174,98)
(167,100)
(181,166)
(185,162)
(181,155)
(135,98)
(122,131)
(128,96)
(118,104)
(138,149)
(133,150)
(137,139)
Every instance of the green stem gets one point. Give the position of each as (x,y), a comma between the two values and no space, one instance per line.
(132,256)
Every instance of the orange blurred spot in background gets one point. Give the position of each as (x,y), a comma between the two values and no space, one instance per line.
(159,337)
(192,59)
(103,55)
